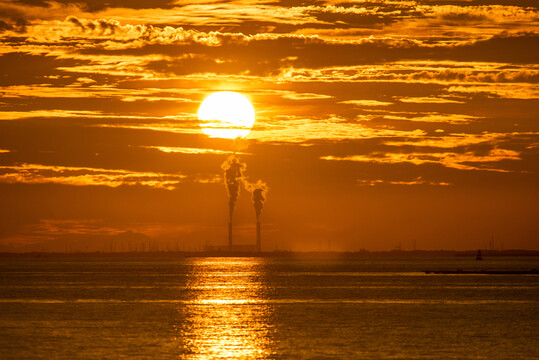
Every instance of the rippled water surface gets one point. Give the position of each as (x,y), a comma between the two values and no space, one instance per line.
(248,308)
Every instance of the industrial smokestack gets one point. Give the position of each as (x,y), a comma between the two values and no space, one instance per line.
(258,191)
(258,243)
(230,235)
(258,198)
(233,178)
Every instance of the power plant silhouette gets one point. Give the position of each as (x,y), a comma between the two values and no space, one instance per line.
(234,178)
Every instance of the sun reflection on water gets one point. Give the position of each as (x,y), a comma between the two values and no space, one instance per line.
(226,316)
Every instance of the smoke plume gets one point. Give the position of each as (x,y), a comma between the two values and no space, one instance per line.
(259,191)
(233,179)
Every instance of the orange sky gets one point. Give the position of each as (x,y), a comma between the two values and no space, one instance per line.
(377,123)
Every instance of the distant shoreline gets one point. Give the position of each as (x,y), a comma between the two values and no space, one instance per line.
(285,254)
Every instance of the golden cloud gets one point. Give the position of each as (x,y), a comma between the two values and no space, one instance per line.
(186,150)
(85,176)
(366,102)
(416,181)
(454,140)
(429,100)
(299,129)
(460,161)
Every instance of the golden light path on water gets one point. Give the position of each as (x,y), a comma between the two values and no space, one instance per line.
(226,317)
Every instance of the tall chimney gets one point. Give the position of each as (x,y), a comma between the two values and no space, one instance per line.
(230,235)
(258,244)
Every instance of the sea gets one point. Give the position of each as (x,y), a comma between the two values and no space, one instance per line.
(267,308)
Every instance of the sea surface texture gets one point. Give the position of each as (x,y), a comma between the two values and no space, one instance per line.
(267,308)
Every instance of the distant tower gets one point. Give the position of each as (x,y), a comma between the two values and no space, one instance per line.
(478,256)
(230,234)
(258,243)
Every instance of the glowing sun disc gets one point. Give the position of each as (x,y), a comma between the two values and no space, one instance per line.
(226,114)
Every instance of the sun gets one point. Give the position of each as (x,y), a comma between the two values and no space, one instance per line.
(226,114)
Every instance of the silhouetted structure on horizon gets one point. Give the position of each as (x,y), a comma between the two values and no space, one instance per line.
(478,256)
(233,179)
(258,243)
(226,249)
(230,234)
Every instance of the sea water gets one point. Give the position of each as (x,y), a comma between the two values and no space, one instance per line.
(266,308)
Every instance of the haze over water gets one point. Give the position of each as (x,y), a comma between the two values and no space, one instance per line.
(268,308)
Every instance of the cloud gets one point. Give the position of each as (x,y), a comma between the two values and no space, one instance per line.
(84,176)
(507,91)
(497,14)
(429,100)
(366,102)
(460,161)
(13,11)
(416,181)
(185,150)
(434,118)
(297,129)
(442,72)
(454,140)
(305,96)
